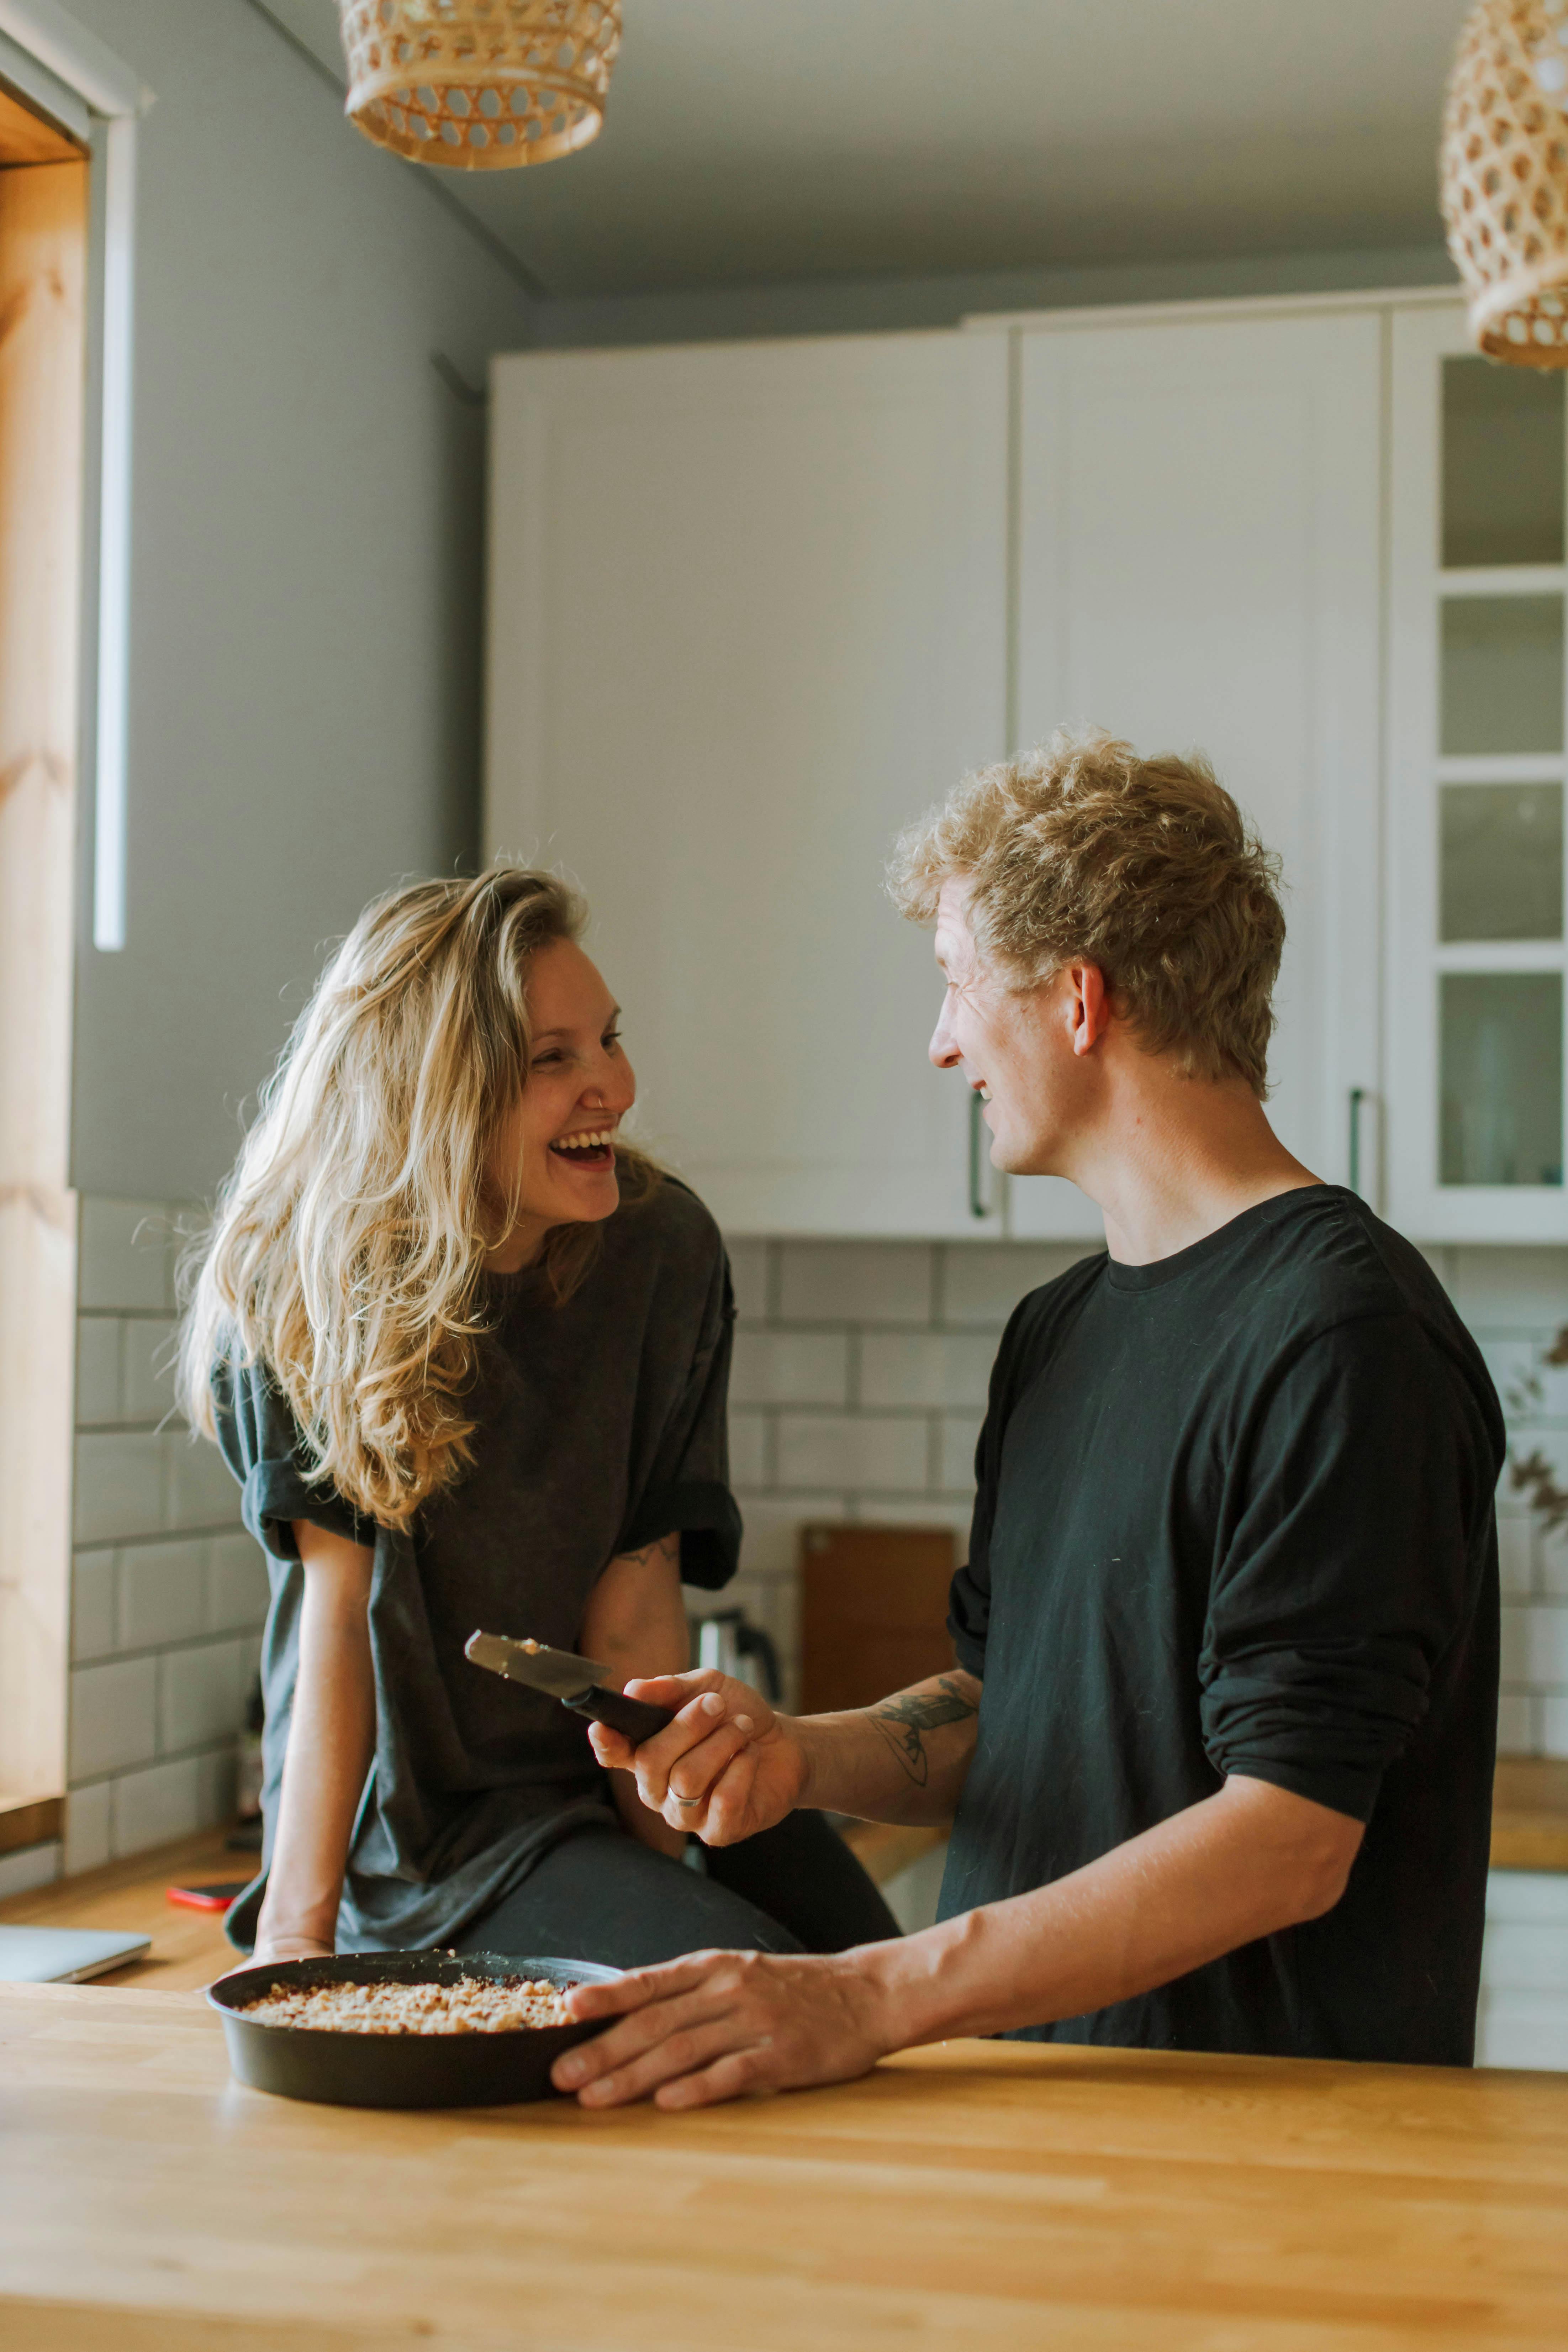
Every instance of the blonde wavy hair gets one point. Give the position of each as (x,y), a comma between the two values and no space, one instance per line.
(347,1251)
(1146,868)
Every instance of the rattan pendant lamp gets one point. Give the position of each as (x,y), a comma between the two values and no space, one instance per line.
(1505,178)
(480,85)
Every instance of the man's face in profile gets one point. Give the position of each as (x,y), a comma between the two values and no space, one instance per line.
(1014,1046)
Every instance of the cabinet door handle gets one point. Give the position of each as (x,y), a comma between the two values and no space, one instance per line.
(1358,1096)
(978,1204)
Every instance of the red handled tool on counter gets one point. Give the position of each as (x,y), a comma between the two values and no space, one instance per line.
(574,1681)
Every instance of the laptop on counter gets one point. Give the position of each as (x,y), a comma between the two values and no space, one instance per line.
(65,1954)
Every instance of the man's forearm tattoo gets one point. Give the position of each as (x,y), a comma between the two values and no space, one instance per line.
(904,1720)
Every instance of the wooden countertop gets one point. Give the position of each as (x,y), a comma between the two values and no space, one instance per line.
(974,2196)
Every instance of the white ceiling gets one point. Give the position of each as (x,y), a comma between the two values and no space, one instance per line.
(749,141)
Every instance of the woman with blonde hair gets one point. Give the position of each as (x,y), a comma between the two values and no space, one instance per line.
(467,1352)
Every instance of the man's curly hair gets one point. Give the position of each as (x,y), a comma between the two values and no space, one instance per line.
(1080,851)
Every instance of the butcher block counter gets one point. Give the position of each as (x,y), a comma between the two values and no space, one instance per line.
(972,2197)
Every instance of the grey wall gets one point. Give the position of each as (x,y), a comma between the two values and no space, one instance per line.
(308,541)
(844,306)
(307,533)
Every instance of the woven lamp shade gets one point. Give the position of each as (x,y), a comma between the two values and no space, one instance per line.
(1505,178)
(482,85)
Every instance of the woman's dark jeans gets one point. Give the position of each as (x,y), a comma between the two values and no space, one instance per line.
(601,1895)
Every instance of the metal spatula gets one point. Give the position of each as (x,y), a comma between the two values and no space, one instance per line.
(574,1681)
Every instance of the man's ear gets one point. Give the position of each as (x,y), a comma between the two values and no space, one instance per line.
(1087,1004)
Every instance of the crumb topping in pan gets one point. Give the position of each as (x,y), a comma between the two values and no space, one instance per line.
(472,2005)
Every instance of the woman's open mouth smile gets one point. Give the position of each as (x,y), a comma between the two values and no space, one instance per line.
(592,1148)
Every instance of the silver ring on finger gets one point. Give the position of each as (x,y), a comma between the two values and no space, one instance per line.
(689,1802)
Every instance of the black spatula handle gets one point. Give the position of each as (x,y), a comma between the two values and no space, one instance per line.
(632,1717)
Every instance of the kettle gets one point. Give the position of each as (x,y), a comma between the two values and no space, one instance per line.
(727,1641)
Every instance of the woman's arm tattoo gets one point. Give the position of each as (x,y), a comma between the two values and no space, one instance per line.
(904,1720)
(665,1547)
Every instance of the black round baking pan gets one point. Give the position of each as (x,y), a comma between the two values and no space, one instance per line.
(397,2070)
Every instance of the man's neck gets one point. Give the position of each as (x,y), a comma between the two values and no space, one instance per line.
(1178,1158)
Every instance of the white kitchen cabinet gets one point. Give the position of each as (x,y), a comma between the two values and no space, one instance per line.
(748,618)
(1199,566)
(1476,773)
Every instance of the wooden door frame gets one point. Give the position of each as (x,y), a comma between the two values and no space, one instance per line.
(71,91)
(44,222)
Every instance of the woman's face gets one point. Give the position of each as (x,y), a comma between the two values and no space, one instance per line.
(558,1145)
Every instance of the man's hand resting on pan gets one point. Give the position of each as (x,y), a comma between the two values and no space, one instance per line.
(728,2025)
(1245,1862)
(726,1768)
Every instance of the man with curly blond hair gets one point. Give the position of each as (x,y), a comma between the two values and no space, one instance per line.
(1218,1750)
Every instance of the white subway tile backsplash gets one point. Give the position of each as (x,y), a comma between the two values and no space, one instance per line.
(163,1594)
(910,1331)
(925,1368)
(922,1511)
(749,1271)
(960,1436)
(1515,1724)
(202,1492)
(790,1368)
(855,1282)
(86,1827)
(877,1452)
(984,1282)
(1552,1554)
(119,1486)
(1529,1895)
(126,1255)
(771,1545)
(114,1716)
(1535,1646)
(201,1695)
(1516,1558)
(239,1587)
(218,1782)
(1512,1361)
(29,1866)
(92,1605)
(1527,1955)
(769,1601)
(148,1375)
(152,1807)
(748,1449)
(97,1369)
(1529,2031)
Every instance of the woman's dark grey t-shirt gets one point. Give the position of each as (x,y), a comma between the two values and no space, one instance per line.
(601,1427)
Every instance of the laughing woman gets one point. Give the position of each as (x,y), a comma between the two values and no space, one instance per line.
(466,1353)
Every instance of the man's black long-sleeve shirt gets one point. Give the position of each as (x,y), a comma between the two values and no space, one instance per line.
(1236,1515)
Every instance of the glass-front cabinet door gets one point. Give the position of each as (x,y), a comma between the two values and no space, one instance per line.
(1477,769)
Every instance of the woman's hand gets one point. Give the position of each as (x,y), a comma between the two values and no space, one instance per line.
(726,1768)
(726,2025)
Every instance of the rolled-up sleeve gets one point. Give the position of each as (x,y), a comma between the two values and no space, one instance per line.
(1344,1570)
(261,1442)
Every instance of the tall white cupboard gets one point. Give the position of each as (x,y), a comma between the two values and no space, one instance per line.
(1198,531)
(749,617)
(752,607)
